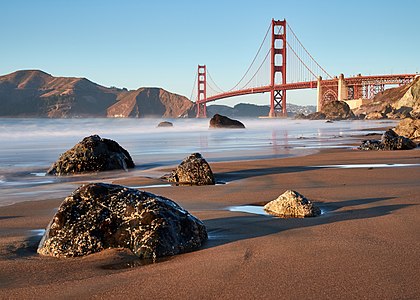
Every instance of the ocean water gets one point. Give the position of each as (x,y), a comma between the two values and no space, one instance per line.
(30,146)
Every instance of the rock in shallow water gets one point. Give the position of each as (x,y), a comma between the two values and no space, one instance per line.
(165,124)
(193,170)
(219,121)
(292,204)
(389,141)
(92,154)
(100,216)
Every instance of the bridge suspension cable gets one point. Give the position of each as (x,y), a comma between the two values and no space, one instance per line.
(301,67)
(253,61)
(321,70)
(215,87)
(193,96)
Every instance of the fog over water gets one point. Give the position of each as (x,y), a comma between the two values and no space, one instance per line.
(30,146)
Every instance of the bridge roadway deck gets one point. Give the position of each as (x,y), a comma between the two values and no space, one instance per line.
(356,80)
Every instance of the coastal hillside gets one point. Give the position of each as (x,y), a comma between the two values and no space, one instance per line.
(394,103)
(34,93)
(150,102)
(252,110)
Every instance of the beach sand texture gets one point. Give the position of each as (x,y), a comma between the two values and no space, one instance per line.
(364,245)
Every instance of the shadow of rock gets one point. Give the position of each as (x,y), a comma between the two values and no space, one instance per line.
(232,229)
(248,173)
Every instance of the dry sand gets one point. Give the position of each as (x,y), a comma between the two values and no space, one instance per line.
(365,245)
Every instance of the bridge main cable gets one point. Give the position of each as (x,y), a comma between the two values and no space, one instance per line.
(253,61)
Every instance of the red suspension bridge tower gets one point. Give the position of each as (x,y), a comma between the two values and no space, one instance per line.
(278,97)
(202,91)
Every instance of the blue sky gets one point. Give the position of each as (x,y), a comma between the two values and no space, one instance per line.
(159,43)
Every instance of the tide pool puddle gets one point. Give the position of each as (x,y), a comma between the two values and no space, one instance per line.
(151,186)
(251,209)
(39,174)
(169,185)
(356,166)
(259,210)
(37,232)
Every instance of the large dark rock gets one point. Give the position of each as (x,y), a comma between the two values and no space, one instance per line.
(100,216)
(219,121)
(292,204)
(393,141)
(92,154)
(193,170)
(334,110)
(389,141)
(337,110)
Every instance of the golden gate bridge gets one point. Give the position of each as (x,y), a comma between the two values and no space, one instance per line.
(282,63)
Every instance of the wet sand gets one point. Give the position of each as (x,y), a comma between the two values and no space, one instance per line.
(365,245)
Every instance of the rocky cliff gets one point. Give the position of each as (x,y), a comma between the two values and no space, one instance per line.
(395,103)
(34,93)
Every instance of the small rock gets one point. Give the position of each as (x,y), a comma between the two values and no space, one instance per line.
(193,170)
(219,121)
(370,145)
(100,216)
(292,204)
(165,124)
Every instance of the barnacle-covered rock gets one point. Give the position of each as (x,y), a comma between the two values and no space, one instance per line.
(92,154)
(193,170)
(389,141)
(100,216)
(292,204)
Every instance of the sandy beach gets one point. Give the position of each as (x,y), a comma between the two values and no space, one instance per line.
(364,245)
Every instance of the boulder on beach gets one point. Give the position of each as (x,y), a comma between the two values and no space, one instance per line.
(99,216)
(219,121)
(410,128)
(337,110)
(92,154)
(389,141)
(193,170)
(334,110)
(292,204)
(165,124)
